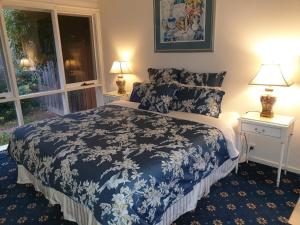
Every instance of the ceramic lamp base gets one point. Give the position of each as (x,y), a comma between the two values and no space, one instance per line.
(121,86)
(267,102)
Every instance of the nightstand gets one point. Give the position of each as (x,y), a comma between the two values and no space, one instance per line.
(114,96)
(279,128)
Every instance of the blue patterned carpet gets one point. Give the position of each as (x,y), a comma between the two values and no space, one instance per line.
(249,197)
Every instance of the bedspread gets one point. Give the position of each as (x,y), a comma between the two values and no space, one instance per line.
(126,165)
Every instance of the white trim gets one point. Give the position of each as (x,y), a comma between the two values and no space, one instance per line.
(10,99)
(41,94)
(99,61)
(83,87)
(60,60)
(96,51)
(11,70)
(54,4)
(82,83)
(99,96)
(273,164)
(5,95)
(99,47)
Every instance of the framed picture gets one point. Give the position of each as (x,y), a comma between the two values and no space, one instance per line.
(184,25)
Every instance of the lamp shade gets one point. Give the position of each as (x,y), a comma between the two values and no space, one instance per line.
(120,67)
(269,75)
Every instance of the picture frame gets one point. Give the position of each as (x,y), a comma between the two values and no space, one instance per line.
(184,25)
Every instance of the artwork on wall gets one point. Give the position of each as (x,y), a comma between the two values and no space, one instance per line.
(183,25)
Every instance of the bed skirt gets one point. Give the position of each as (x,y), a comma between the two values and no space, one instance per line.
(80,214)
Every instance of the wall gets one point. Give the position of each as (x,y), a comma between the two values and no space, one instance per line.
(247,33)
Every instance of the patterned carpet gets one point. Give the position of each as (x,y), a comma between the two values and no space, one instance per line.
(249,197)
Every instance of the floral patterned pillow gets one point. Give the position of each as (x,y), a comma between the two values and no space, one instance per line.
(158,97)
(202,79)
(138,91)
(165,75)
(203,100)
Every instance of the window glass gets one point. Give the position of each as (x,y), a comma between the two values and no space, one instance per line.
(77,48)
(31,40)
(4,84)
(8,121)
(41,108)
(82,99)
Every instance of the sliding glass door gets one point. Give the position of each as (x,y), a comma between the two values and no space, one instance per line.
(48,66)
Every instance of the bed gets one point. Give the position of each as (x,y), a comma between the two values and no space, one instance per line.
(118,164)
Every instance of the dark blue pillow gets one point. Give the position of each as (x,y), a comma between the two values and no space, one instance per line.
(202,100)
(138,91)
(158,97)
(202,79)
(165,75)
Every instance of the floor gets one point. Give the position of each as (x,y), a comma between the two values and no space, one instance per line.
(249,197)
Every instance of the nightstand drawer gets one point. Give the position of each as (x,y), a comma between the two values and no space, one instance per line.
(263,130)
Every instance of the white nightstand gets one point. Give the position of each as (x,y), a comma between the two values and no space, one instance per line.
(278,128)
(114,96)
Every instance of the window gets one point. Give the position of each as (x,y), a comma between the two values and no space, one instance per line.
(48,58)
(8,121)
(32,45)
(41,108)
(77,48)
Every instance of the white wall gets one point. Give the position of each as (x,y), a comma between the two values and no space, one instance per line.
(247,33)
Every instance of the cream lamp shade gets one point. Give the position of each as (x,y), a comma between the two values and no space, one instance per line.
(269,75)
(120,67)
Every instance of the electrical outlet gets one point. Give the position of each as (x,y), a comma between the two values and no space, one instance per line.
(251,146)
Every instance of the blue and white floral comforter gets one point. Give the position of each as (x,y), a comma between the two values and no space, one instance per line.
(126,165)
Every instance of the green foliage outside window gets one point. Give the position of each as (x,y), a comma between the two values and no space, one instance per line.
(23,29)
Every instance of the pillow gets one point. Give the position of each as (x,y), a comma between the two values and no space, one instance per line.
(203,100)
(166,75)
(158,97)
(202,79)
(138,91)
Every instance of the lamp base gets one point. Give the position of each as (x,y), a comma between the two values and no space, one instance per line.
(121,86)
(267,102)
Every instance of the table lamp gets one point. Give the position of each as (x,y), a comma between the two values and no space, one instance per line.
(269,75)
(120,68)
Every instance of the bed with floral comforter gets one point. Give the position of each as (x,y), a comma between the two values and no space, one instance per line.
(127,166)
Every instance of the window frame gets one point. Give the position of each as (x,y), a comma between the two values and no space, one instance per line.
(55,10)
